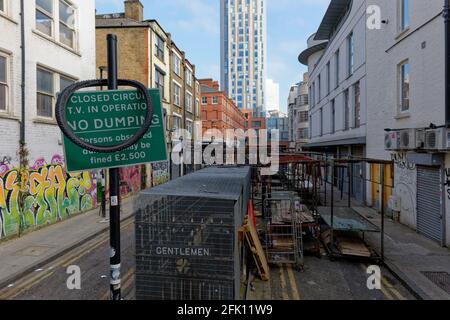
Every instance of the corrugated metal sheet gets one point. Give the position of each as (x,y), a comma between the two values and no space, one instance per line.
(429,202)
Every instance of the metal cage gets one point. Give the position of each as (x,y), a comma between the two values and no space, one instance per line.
(187,245)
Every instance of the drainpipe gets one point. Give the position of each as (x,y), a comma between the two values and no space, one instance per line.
(22,121)
(446,15)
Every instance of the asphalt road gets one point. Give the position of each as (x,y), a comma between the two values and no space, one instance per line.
(322,279)
(50,281)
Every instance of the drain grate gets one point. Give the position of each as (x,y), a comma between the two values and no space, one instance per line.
(441,279)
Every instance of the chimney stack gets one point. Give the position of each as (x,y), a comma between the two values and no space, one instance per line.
(134,10)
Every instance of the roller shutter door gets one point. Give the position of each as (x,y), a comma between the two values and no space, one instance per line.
(429,202)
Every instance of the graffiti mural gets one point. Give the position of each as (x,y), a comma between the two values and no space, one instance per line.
(130,180)
(41,195)
(405,182)
(160,173)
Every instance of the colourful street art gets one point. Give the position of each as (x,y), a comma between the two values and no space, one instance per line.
(42,195)
(160,172)
(130,180)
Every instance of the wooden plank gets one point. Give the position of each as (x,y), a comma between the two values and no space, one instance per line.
(258,253)
(353,247)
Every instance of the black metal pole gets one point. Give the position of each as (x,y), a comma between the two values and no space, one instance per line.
(446,15)
(114,185)
(332,203)
(349,173)
(103,172)
(326,181)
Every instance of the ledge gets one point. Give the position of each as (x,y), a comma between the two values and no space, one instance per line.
(7,116)
(403,115)
(45,121)
(4,15)
(52,40)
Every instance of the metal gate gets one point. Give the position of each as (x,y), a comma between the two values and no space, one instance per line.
(429,202)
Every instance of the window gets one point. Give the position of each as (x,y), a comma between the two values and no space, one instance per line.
(404,87)
(357,104)
(320,88)
(45,93)
(197,107)
(304,116)
(66,24)
(188,76)
(159,47)
(64,82)
(2,6)
(176,94)
(176,122)
(189,102)
(159,82)
(189,126)
(44,16)
(321,122)
(337,70)
(404,15)
(346,110)
(3,83)
(204,100)
(303,133)
(176,65)
(215,100)
(328,79)
(333,117)
(351,53)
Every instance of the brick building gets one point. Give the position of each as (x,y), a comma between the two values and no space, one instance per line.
(148,54)
(218,110)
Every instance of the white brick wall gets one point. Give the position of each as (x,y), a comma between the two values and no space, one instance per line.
(42,139)
(423,46)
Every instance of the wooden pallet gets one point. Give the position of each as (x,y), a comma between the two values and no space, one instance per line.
(251,236)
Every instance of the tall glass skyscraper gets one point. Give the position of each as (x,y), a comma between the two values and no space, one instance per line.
(243,52)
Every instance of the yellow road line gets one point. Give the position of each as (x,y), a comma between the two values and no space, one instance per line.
(126,282)
(293,283)
(391,288)
(384,290)
(283,284)
(63,261)
(23,288)
(386,293)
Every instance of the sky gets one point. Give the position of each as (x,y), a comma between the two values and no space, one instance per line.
(195,28)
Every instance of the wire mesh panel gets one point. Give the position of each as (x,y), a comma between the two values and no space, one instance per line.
(187,243)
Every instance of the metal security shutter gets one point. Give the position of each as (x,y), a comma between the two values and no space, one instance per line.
(429,207)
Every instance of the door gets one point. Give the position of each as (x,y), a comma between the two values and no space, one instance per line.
(429,202)
(375,179)
(388,184)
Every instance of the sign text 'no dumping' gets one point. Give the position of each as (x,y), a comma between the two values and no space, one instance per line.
(109,118)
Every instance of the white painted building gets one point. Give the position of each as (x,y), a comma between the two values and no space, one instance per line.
(59,46)
(379,92)
(298,113)
(406,77)
(336,60)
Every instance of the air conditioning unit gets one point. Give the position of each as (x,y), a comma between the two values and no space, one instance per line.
(391,141)
(420,139)
(437,139)
(407,139)
(394,203)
